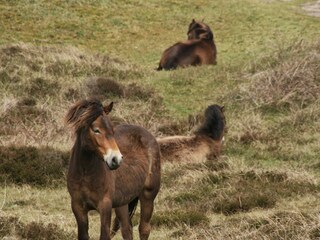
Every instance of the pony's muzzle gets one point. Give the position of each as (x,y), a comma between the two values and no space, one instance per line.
(113,158)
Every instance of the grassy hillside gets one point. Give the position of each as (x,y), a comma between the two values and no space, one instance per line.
(266,185)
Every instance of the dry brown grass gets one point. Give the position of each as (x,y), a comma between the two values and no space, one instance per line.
(266,185)
(39,83)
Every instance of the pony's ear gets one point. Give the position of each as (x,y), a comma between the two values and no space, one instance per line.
(108,108)
(222,109)
(193,21)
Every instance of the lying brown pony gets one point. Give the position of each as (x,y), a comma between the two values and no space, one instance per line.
(206,143)
(199,49)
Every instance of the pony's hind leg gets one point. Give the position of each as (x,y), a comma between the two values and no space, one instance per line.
(146,206)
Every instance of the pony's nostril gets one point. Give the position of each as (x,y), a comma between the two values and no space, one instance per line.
(114,161)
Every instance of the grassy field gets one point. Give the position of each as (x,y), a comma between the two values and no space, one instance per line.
(266,184)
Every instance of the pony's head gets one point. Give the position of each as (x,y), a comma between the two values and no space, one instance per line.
(214,125)
(90,121)
(199,30)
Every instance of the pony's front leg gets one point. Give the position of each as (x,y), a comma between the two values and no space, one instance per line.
(81,215)
(105,219)
(122,214)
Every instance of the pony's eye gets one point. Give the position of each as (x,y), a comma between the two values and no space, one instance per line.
(96,131)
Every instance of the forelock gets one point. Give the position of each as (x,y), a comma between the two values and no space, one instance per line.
(83,113)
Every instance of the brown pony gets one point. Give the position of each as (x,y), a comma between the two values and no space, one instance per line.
(206,143)
(199,49)
(111,168)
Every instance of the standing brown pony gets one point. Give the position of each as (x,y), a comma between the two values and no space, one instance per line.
(199,49)
(206,143)
(111,168)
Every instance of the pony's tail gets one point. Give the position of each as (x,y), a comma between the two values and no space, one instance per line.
(132,206)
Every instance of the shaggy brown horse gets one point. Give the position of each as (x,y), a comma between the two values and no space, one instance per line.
(199,49)
(111,168)
(206,143)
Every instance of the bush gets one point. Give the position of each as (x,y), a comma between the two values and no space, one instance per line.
(11,226)
(31,165)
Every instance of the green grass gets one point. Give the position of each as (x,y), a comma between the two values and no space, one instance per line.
(138,32)
(265,186)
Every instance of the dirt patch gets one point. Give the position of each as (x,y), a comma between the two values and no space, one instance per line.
(313,8)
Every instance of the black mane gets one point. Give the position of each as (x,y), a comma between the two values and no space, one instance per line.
(214,122)
(83,113)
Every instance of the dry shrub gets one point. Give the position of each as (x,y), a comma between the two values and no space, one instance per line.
(295,224)
(34,166)
(102,88)
(134,91)
(23,114)
(11,226)
(229,192)
(295,81)
(283,225)
(71,94)
(40,231)
(248,190)
(40,87)
(25,111)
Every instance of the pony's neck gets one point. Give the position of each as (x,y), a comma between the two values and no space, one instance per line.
(85,161)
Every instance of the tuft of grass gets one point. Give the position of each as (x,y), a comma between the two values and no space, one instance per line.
(186,197)
(177,217)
